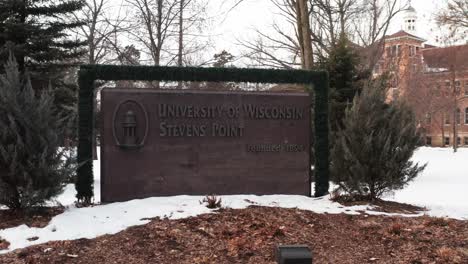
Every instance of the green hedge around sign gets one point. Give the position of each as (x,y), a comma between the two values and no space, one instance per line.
(318,80)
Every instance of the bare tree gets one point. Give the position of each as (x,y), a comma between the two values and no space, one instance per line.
(153,24)
(455,17)
(433,90)
(428,99)
(181,32)
(371,25)
(283,48)
(365,22)
(167,30)
(192,40)
(304,34)
(330,19)
(100,26)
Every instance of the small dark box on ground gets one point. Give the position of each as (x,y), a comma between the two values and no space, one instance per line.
(297,254)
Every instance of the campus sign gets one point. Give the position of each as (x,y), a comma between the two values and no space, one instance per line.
(166,142)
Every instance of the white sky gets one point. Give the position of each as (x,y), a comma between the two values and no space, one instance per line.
(426,27)
(241,22)
(251,14)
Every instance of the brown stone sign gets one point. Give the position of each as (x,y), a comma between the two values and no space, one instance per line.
(166,142)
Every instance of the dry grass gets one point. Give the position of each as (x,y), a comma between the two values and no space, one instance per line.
(449,255)
(369,225)
(212,201)
(436,221)
(463,251)
(395,229)
(4,244)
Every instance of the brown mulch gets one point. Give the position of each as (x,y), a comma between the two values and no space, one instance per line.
(250,236)
(380,205)
(37,217)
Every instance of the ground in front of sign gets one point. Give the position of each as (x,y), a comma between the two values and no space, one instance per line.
(181,228)
(250,236)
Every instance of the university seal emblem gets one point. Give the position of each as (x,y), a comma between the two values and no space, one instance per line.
(130,124)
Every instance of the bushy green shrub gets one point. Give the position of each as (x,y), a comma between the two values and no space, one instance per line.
(372,151)
(33,166)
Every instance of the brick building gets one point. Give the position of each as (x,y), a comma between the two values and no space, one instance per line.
(433,80)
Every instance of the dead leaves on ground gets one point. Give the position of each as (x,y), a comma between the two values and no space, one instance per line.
(251,235)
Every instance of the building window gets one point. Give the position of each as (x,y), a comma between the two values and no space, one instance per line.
(458,116)
(428,118)
(447,119)
(466,115)
(457,87)
(411,51)
(437,90)
(395,49)
(393,81)
(428,141)
(466,87)
(446,141)
(395,93)
(466,141)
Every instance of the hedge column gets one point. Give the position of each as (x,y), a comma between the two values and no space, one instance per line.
(321,136)
(85,178)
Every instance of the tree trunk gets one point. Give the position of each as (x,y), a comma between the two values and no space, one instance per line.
(20,59)
(454,111)
(372,191)
(454,126)
(181,38)
(443,132)
(159,33)
(303,29)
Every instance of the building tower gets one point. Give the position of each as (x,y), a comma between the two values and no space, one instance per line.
(410,17)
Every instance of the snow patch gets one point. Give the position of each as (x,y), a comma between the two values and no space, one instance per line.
(442,187)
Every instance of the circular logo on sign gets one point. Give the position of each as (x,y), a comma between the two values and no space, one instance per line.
(130,123)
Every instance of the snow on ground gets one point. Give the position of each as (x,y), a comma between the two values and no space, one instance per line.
(442,188)
(91,222)
(443,185)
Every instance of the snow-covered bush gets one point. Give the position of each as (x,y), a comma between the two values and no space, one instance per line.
(33,168)
(373,149)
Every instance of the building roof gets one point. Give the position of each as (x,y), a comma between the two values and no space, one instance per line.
(429,46)
(447,57)
(411,9)
(403,34)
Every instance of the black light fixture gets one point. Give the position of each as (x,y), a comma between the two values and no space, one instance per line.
(129,126)
(293,254)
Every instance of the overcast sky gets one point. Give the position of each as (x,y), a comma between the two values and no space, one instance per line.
(251,14)
(240,23)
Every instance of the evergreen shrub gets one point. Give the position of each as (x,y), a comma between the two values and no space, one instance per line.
(33,165)
(372,151)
